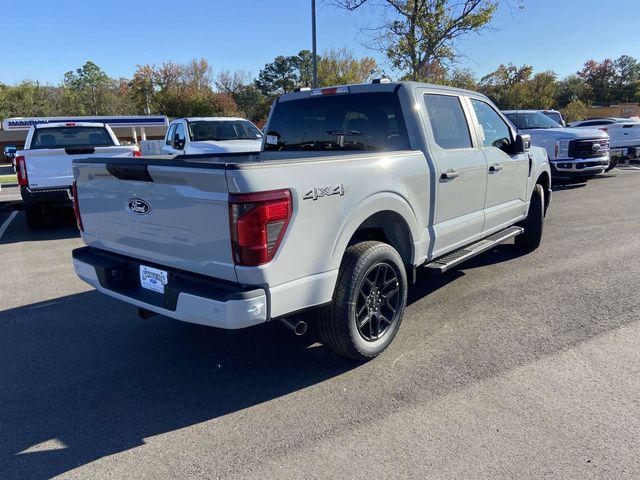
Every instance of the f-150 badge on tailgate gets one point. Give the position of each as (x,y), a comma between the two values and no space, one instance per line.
(319,192)
(139,206)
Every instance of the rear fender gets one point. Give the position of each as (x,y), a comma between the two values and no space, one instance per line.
(380,202)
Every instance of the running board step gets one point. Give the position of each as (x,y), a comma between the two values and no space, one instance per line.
(456,257)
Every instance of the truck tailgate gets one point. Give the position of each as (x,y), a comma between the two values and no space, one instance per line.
(51,167)
(159,212)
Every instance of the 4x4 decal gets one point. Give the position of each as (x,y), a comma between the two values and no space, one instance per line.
(319,192)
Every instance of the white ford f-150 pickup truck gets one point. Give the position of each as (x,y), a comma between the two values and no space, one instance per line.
(44,165)
(574,153)
(355,188)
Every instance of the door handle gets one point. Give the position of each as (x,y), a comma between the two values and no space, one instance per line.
(449,175)
(495,168)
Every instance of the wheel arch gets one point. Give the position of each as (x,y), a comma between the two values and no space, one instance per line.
(544,179)
(387,218)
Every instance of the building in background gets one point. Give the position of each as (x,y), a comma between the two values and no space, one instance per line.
(127,128)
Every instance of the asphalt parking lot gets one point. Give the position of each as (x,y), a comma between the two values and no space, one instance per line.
(511,367)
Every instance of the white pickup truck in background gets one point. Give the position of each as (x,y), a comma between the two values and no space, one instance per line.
(624,134)
(44,166)
(201,135)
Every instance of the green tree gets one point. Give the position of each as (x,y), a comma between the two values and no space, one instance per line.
(543,90)
(599,77)
(93,88)
(29,98)
(459,78)
(418,36)
(284,74)
(143,88)
(251,102)
(627,77)
(508,86)
(575,110)
(180,90)
(571,88)
(340,67)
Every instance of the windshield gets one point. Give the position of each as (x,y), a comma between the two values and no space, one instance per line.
(529,120)
(362,121)
(62,137)
(219,130)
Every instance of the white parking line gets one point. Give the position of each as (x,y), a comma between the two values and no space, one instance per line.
(6,223)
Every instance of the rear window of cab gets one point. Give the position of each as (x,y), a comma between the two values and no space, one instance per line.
(339,122)
(62,137)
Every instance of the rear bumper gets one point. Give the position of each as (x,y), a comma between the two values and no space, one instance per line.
(625,152)
(60,196)
(188,297)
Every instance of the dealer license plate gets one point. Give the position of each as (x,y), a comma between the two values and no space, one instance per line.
(153,278)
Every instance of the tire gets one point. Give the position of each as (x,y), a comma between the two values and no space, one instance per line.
(35,216)
(533,225)
(369,275)
(612,164)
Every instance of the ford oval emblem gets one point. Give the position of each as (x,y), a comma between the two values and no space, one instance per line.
(139,206)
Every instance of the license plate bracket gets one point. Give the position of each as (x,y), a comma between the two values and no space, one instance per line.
(153,279)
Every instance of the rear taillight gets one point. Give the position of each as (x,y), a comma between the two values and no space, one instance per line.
(21,171)
(76,205)
(258,222)
(137,152)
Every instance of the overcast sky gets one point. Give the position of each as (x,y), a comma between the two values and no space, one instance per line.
(42,39)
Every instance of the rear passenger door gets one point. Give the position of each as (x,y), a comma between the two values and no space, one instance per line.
(461,172)
(507,173)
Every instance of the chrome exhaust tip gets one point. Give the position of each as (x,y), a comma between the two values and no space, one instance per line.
(299,327)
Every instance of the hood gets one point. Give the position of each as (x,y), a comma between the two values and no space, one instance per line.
(212,146)
(570,133)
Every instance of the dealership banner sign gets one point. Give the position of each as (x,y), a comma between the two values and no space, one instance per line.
(23,123)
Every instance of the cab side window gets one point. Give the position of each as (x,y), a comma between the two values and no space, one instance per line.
(448,122)
(169,139)
(495,131)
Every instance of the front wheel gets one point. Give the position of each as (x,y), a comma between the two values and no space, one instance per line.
(533,225)
(368,304)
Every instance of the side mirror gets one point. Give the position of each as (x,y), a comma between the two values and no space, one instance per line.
(178,143)
(522,144)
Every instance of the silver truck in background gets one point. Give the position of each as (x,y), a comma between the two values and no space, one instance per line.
(44,165)
(355,188)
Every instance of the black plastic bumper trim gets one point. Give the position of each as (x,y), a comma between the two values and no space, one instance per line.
(120,274)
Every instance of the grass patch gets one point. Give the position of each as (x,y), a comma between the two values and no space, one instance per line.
(8,178)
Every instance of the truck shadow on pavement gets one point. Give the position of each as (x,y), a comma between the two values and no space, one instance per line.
(83,378)
(59,227)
